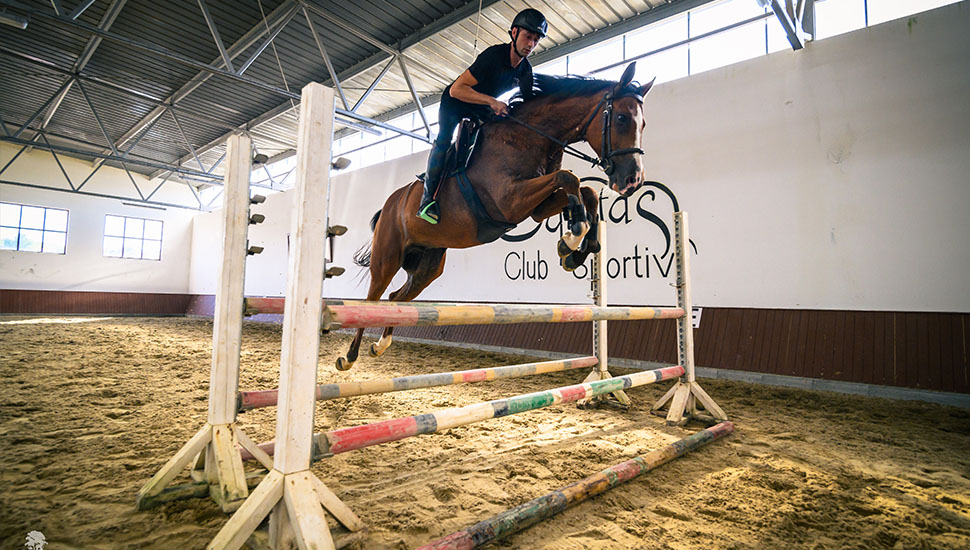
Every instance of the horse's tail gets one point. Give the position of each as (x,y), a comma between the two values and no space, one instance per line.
(373,221)
(362,256)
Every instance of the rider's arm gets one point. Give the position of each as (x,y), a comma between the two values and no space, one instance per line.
(462,91)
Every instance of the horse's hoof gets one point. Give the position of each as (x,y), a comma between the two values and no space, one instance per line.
(568,264)
(593,247)
(373,351)
(562,249)
(343,364)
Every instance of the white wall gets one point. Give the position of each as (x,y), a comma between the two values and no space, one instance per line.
(83,267)
(837,177)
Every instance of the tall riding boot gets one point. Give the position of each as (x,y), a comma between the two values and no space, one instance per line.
(428,211)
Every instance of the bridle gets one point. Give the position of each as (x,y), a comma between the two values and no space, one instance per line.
(605,159)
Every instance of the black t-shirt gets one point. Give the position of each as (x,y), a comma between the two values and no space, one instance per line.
(495,75)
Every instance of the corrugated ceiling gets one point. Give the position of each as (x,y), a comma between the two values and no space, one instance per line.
(130,87)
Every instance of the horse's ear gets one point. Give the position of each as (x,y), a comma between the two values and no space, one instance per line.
(646,87)
(627,77)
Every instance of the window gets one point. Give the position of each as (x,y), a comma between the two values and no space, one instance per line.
(680,48)
(595,57)
(880,11)
(834,17)
(134,238)
(33,228)
(725,48)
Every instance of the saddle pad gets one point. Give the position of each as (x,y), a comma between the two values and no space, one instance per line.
(488,228)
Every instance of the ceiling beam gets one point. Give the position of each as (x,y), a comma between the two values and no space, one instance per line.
(277,19)
(215,36)
(151,49)
(449,20)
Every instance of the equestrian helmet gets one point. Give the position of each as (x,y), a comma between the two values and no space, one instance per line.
(531,20)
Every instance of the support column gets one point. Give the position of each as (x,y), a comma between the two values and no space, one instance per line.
(685,396)
(290,494)
(213,450)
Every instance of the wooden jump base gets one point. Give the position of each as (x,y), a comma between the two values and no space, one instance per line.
(212,450)
(540,509)
(358,437)
(249,400)
(686,397)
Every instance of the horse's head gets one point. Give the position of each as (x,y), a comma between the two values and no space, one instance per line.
(616,133)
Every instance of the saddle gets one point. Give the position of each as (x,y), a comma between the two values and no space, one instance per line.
(456,163)
(461,150)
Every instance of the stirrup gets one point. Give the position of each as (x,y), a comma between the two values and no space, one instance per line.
(429,213)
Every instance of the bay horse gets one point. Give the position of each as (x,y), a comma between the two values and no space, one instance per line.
(515,169)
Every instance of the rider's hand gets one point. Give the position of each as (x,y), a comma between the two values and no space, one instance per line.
(499,108)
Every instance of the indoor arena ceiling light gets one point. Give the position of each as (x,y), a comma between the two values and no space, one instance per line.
(13,20)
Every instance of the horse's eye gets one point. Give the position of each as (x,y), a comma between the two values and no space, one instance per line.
(622,119)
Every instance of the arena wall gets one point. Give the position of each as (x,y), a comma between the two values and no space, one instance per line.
(82,280)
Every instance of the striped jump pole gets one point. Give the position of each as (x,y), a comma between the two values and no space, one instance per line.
(542,508)
(249,400)
(358,437)
(361,314)
(255,305)
(410,315)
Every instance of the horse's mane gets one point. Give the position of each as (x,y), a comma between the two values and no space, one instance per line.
(547,86)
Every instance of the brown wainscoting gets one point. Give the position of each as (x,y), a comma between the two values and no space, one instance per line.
(205,305)
(59,302)
(927,351)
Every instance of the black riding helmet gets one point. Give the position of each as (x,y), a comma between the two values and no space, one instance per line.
(531,20)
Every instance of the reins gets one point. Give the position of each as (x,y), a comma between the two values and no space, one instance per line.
(605,160)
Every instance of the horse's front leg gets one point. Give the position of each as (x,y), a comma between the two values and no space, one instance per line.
(548,195)
(591,244)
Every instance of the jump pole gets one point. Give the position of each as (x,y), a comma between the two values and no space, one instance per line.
(685,396)
(290,494)
(339,314)
(213,449)
(542,508)
(420,315)
(249,400)
(358,437)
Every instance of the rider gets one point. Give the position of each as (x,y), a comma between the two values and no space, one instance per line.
(472,95)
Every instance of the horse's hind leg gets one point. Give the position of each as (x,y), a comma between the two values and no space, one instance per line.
(383,266)
(422,267)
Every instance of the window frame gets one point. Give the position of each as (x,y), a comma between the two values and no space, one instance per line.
(43,229)
(142,239)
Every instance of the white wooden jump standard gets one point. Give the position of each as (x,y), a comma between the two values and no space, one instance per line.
(684,396)
(600,371)
(290,494)
(214,447)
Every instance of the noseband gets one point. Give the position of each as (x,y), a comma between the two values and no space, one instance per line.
(605,160)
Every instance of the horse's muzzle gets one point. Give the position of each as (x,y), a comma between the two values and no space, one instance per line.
(628,185)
